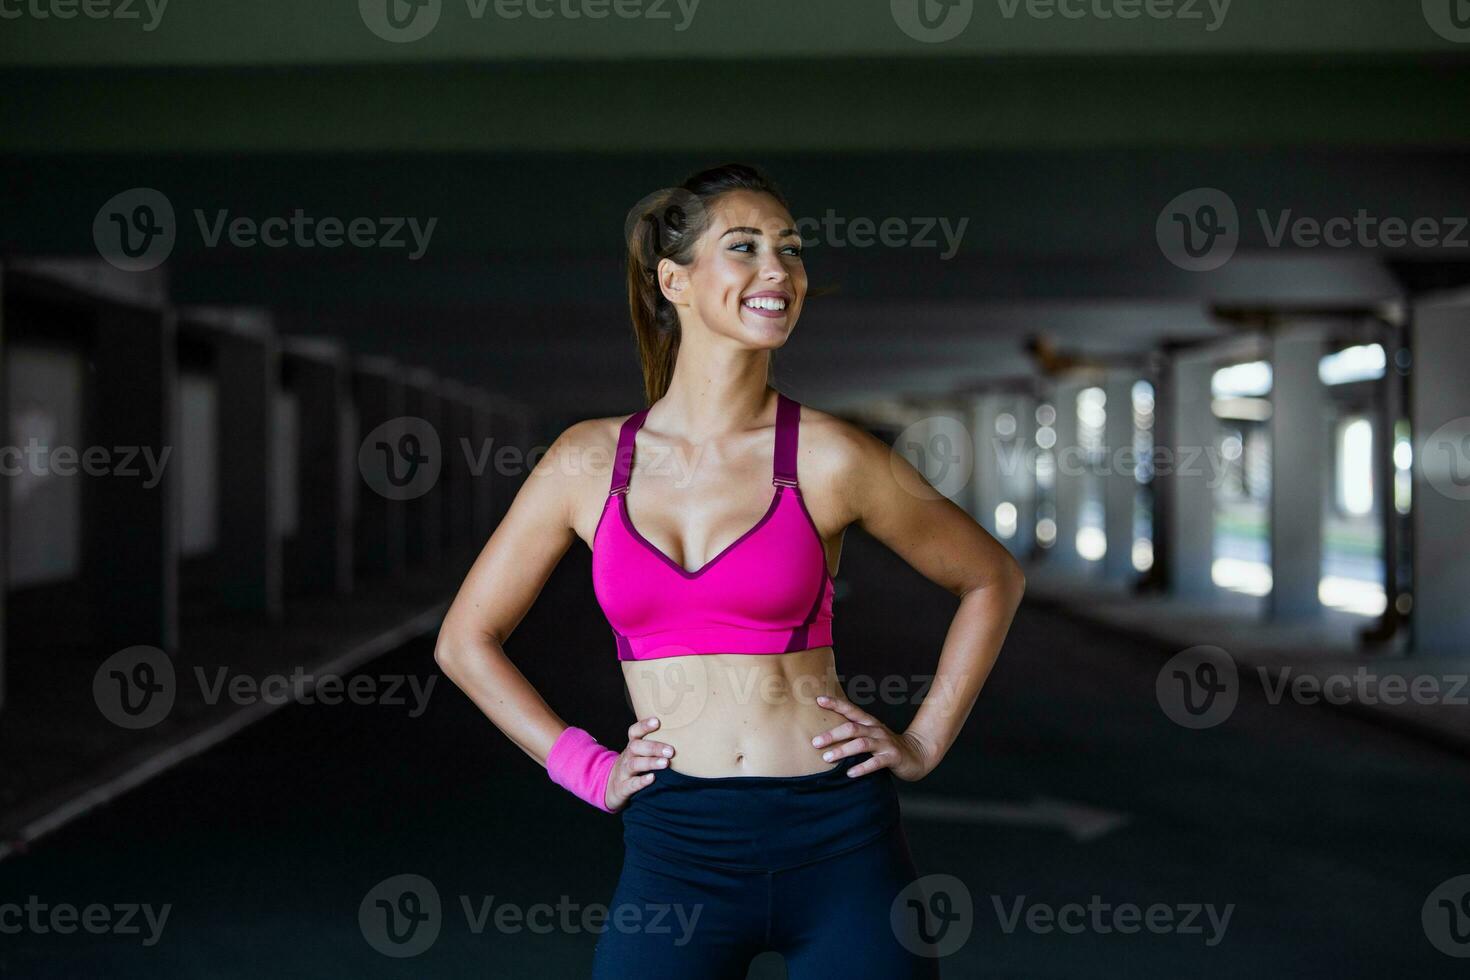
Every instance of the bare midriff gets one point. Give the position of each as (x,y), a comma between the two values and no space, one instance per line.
(730,714)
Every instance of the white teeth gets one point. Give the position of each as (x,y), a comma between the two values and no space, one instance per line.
(766,303)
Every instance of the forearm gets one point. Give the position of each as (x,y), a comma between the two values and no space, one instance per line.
(970,650)
(479,666)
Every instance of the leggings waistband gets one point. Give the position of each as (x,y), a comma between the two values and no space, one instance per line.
(757,823)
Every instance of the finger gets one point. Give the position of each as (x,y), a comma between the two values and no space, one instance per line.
(842,750)
(845,730)
(641,727)
(634,783)
(847,709)
(647,746)
(877,762)
(644,764)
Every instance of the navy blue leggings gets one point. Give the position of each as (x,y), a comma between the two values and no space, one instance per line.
(720,870)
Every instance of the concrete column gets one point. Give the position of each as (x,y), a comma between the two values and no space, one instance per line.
(1019,484)
(379,536)
(1440,413)
(1070,475)
(318,557)
(1186,427)
(248,572)
(989,479)
(1120,487)
(1299,435)
(424,512)
(131,542)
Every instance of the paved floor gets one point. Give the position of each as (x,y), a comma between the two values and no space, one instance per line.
(1319,834)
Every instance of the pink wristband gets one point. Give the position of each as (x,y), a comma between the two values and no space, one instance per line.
(579,764)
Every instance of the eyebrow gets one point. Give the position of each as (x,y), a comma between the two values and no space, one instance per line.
(756,231)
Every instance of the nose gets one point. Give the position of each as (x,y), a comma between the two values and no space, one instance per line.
(773,270)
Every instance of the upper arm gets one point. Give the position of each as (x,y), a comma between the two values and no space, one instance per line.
(531,538)
(887,497)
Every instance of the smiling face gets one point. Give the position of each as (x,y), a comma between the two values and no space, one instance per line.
(747,280)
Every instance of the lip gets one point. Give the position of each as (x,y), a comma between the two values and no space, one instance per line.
(767,294)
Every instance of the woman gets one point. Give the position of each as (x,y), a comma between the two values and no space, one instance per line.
(764,812)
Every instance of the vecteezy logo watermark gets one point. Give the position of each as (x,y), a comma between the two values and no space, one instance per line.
(91,9)
(840,232)
(933,916)
(136,230)
(1103,918)
(38,459)
(134,688)
(401,21)
(941,448)
(1445,459)
(1450,19)
(402,916)
(1198,687)
(401,458)
(63,918)
(137,688)
(1199,230)
(932,21)
(1446,917)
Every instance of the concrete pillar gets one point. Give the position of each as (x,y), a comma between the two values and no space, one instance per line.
(1120,486)
(424,512)
(990,460)
(1070,475)
(131,543)
(1440,414)
(318,557)
(1186,428)
(1019,485)
(248,573)
(1299,465)
(379,536)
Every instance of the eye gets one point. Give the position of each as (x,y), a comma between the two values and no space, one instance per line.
(793,250)
(748,245)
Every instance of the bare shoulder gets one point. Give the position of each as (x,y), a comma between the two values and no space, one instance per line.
(835,455)
(579,464)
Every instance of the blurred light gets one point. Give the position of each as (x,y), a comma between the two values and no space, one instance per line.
(1005,519)
(1046,437)
(1092,543)
(1231,446)
(1403,455)
(1046,468)
(1005,425)
(1143,398)
(1361,363)
(1352,595)
(1090,410)
(1046,532)
(1239,575)
(1045,414)
(1244,409)
(1404,603)
(1252,378)
(1355,467)
(1143,554)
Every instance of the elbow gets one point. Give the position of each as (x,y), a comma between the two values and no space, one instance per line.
(1013,579)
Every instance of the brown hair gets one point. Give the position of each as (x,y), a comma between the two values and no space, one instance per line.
(666,225)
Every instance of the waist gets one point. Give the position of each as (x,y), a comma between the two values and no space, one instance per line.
(735,715)
(757,823)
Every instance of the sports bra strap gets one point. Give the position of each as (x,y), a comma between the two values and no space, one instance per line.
(788,414)
(623,460)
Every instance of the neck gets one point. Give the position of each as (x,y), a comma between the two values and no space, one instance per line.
(716,389)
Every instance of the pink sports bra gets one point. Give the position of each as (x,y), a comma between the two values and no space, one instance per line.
(768,591)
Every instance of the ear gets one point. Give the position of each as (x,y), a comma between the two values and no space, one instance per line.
(673,281)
